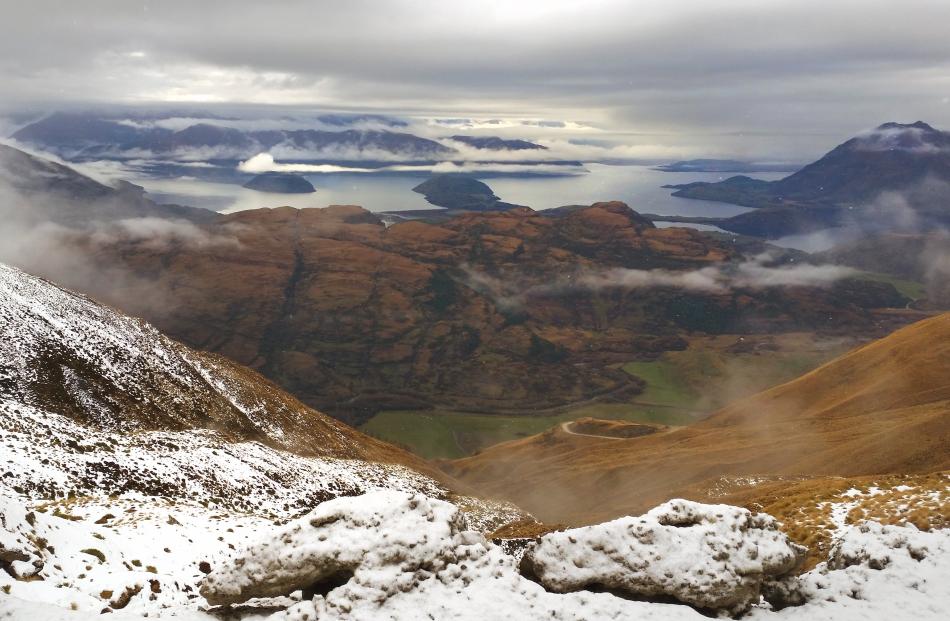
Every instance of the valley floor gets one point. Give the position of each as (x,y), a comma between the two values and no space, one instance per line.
(681,387)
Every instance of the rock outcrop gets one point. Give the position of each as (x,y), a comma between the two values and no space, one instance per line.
(386,545)
(340,538)
(397,556)
(871,568)
(710,556)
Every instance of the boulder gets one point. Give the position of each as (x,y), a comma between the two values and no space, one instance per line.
(710,556)
(382,529)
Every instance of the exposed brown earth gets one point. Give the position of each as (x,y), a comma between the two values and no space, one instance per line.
(353,317)
(882,408)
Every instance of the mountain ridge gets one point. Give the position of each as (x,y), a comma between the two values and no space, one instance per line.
(896,176)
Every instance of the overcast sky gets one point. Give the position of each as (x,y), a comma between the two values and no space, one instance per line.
(772,77)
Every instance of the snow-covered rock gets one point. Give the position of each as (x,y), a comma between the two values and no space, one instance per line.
(710,556)
(385,529)
(19,553)
(874,572)
(401,556)
(410,558)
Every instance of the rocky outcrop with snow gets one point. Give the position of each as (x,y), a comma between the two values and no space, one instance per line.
(19,553)
(396,556)
(873,572)
(709,556)
(386,531)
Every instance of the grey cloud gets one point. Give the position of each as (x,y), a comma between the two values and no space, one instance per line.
(691,66)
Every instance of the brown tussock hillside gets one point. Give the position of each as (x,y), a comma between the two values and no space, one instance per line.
(883,408)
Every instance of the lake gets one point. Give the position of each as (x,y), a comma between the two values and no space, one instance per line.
(638,186)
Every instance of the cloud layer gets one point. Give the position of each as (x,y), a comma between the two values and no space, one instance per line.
(686,71)
(756,273)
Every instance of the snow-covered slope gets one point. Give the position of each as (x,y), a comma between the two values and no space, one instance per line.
(48,456)
(101,415)
(64,353)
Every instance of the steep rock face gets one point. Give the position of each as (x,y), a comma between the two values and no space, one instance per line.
(710,556)
(488,311)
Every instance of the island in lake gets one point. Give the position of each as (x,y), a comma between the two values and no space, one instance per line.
(280,183)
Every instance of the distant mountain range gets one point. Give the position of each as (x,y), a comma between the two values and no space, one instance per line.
(894,177)
(212,147)
(355,317)
(498,144)
(47,191)
(79,137)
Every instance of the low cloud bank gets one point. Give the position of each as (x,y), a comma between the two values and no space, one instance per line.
(66,255)
(755,273)
(265,162)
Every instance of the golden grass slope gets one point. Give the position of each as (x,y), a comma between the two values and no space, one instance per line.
(882,408)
